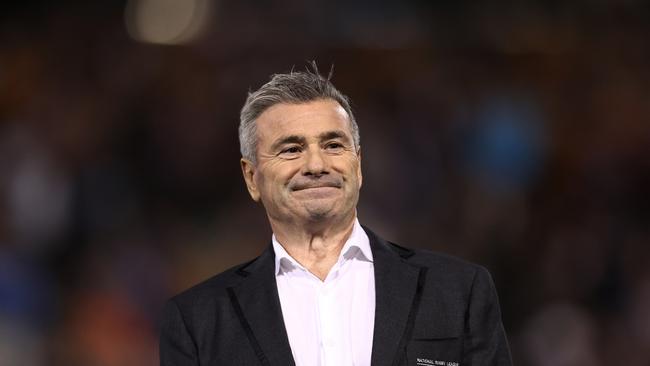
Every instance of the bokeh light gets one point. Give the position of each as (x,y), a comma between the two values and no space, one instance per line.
(167,21)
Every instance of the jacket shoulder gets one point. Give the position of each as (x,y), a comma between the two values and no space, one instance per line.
(445,271)
(212,289)
(441,261)
(436,261)
(443,266)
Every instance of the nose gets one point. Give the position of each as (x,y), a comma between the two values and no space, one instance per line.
(316,163)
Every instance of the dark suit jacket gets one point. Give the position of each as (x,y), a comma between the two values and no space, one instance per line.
(429,307)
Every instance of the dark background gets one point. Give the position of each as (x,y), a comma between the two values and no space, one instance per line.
(513,134)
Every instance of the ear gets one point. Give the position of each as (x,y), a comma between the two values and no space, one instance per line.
(248,170)
(359,175)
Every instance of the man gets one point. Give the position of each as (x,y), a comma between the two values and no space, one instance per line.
(327,291)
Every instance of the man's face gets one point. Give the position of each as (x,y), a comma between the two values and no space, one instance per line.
(308,168)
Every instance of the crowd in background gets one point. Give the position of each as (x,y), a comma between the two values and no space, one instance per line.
(511,134)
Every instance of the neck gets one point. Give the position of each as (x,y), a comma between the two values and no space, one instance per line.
(316,246)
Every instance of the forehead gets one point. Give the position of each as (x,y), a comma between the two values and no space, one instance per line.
(304,119)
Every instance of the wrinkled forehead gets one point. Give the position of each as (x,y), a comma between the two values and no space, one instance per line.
(305,119)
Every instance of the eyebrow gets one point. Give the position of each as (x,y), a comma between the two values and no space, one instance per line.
(291,139)
(331,135)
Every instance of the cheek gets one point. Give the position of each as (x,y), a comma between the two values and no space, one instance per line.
(355,170)
(264,185)
(273,180)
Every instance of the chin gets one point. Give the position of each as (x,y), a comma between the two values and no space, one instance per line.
(323,213)
(318,217)
(319,212)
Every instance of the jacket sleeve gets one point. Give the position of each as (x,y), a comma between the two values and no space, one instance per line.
(485,340)
(177,348)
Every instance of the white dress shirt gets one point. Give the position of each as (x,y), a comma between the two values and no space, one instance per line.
(329,323)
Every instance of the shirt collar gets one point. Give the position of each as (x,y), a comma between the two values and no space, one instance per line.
(357,245)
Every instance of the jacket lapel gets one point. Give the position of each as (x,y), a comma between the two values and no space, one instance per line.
(260,311)
(396,287)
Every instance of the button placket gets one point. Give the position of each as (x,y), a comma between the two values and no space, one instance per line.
(328,322)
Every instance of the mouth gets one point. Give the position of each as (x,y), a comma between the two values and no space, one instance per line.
(315,187)
(324,185)
(316,192)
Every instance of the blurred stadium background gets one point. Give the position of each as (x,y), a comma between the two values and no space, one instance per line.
(515,134)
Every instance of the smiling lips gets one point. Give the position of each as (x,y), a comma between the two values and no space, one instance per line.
(321,182)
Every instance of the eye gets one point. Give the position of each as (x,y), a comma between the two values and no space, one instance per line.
(290,151)
(293,149)
(334,146)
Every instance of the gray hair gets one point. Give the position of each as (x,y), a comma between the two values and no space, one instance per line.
(296,87)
